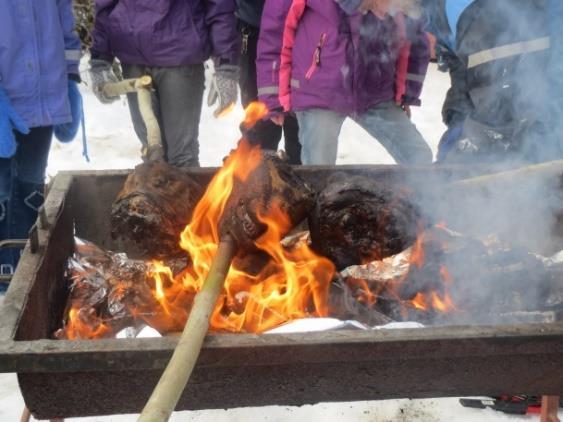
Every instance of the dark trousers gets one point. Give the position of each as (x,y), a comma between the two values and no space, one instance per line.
(22,180)
(266,132)
(176,102)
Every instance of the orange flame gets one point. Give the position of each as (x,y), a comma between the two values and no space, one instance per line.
(440,302)
(292,284)
(419,302)
(417,257)
(80,326)
(253,113)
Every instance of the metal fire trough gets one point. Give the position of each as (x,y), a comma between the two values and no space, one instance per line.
(82,378)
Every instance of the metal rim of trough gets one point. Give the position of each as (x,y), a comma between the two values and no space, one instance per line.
(475,354)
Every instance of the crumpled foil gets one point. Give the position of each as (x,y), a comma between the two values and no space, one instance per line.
(108,292)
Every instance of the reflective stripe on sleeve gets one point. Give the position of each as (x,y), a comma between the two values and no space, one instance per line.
(507,50)
(73,55)
(416,78)
(268,90)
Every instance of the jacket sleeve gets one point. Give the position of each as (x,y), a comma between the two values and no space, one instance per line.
(418,59)
(269,52)
(71,40)
(221,21)
(101,47)
(457,105)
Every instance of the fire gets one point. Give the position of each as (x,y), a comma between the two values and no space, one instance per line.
(254,112)
(226,111)
(292,284)
(433,300)
(417,257)
(82,326)
(419,302)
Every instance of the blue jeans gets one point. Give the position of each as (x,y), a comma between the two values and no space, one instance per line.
(22,180)
(319,130)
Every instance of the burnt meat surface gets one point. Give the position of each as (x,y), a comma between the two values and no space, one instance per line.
(154,206)
(357,220)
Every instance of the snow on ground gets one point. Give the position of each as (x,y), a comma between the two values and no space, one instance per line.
(113,145)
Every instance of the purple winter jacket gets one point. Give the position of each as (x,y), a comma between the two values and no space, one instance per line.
(165,33)
(330,60)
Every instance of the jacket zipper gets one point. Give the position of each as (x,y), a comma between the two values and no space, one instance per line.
(316,57)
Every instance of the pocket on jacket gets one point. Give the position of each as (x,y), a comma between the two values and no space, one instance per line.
(317,55)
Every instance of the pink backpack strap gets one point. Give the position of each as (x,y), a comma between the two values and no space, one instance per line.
(291,22)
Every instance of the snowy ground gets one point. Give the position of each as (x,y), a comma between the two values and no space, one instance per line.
(113,145)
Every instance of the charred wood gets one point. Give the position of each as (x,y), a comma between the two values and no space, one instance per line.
(154,206)
(272,185)
(357,220)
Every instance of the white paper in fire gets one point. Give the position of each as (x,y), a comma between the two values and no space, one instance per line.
(308,325)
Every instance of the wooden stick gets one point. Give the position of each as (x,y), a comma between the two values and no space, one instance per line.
(549,169)
(154,149)
(175,377)
(126,86)
(142,86)
(549,408)
(26,415)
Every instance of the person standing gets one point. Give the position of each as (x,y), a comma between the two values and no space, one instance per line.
(39,55)
(266,132)
(363,59)
(500,101)
(169,40)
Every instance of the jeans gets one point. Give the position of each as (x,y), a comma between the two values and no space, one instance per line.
(319,130)
(22,180)
(176,102)
(265,132)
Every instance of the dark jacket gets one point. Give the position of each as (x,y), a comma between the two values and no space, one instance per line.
(499,85)
(165,32)
(250,11)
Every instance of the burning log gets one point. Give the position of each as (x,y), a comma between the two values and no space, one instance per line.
(153,208)
(357,220)
(261,188)
(273,184)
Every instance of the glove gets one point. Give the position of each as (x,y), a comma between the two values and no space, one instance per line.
(448,141)
(10,120)
(223,88)
(101,73)
(67,132)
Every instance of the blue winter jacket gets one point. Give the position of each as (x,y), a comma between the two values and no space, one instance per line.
(38,49)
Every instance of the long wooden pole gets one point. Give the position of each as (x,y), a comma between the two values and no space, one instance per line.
(548,169)
(175,377)
(549,409)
